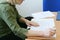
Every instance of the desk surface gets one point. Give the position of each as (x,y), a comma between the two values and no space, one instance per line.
(57,32)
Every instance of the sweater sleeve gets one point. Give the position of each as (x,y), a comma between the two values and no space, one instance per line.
(9,18)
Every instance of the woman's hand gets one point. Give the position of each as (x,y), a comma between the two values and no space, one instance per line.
(29,23)
(32,33)
(52,32)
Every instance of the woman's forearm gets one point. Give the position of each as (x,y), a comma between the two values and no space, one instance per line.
(34,33)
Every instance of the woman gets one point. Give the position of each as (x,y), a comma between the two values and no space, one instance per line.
(9,28)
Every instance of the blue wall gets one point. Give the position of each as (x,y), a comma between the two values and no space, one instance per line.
(51,5)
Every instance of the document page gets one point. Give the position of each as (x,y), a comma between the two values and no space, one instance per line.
(40,15)
(44,24)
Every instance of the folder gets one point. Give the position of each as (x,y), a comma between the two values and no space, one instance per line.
(58,16)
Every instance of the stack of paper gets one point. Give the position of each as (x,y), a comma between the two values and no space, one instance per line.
(45,24)
(40,15)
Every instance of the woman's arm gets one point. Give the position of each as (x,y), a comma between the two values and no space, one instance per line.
(29,23)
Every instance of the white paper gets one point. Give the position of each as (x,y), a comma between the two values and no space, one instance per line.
(45,14)
(44,24)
